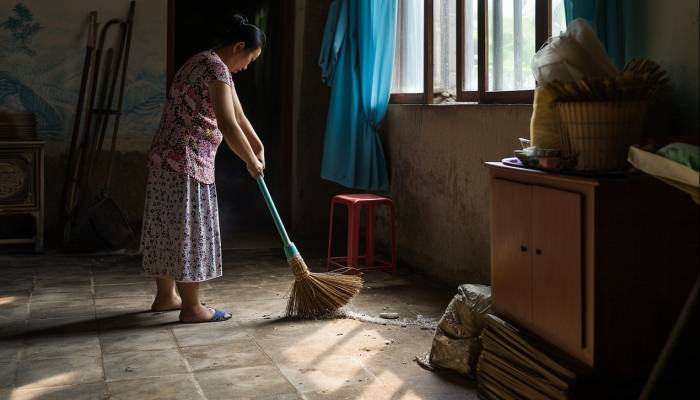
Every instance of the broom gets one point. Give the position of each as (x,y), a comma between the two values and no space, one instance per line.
(313,294)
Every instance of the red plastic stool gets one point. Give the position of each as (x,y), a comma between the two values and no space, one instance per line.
(354,203)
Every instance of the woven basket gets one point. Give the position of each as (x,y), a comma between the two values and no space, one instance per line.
(601,132)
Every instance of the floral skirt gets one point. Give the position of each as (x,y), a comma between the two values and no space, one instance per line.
(180,237)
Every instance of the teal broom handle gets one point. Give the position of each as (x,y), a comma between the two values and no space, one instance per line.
(289,248)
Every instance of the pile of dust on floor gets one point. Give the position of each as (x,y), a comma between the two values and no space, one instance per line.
(419,321)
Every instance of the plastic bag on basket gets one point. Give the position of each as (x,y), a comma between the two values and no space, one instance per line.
(582,32)
(558,60)
(456,344)
(573,55)
(577,53)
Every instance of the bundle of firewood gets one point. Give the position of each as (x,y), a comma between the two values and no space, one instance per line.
(638,80)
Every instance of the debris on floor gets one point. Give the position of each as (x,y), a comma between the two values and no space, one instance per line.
(456,345)
(420,321)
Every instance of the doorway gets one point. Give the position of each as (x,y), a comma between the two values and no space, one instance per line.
(265,91)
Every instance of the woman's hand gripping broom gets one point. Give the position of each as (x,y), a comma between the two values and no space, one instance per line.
(313,294)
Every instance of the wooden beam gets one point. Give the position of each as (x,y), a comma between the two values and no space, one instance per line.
(428,52)
(406,98)
(508,97)
(170,50)
(543,22)
(460,48)
(483,47)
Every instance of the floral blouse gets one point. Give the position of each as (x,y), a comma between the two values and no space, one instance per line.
(188,137)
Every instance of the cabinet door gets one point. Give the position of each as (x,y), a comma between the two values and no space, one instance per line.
(511,219)
(557,312)
(19,169)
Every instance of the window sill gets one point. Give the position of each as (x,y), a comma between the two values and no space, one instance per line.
(462,104)
(513,97)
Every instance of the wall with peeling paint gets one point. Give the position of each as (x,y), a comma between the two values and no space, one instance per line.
(440,186)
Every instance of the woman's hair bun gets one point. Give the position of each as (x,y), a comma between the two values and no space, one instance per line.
(236,28)
(239,20)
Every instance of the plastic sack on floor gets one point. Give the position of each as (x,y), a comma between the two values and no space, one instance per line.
(577,53)
(456,345)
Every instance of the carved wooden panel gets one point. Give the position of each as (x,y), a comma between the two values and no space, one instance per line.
(19,177)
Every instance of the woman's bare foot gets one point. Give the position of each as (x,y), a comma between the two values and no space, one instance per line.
(192,310)
(167,298)
(166,303)
(200,314)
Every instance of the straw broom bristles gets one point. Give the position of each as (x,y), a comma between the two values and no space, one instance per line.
(313,295)
(316,295)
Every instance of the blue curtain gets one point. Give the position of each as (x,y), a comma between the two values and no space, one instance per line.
(607,19)
(357,60)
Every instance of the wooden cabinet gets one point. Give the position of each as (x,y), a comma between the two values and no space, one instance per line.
(597,267)
(22,185)
(536,253)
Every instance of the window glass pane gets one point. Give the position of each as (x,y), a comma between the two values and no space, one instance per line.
(558,17)
(408,61)
(471,45)
(511,44)
(445,47)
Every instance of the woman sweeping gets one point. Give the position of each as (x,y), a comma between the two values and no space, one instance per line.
(181,242)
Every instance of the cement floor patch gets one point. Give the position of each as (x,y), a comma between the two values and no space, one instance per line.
(91,391)
(143,364)
(244,383)
(174,387)
(32,374)
(239,352)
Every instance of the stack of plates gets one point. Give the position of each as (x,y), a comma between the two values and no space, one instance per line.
(17,125)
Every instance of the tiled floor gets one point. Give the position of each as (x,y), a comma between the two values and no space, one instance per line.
(77,327)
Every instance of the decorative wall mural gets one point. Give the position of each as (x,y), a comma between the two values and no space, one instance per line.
(42,48)
(21,27)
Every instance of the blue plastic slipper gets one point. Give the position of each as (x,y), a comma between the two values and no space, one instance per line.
(218,316)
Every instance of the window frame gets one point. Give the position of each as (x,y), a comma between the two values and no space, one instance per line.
(543,23)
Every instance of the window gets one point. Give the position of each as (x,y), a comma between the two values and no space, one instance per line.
(470,50)
(408,78)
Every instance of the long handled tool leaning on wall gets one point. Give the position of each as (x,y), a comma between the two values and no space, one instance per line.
(72,163)
(313,294)
(110,223)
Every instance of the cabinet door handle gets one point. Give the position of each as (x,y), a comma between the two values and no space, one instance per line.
(523,248)
(538,251)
